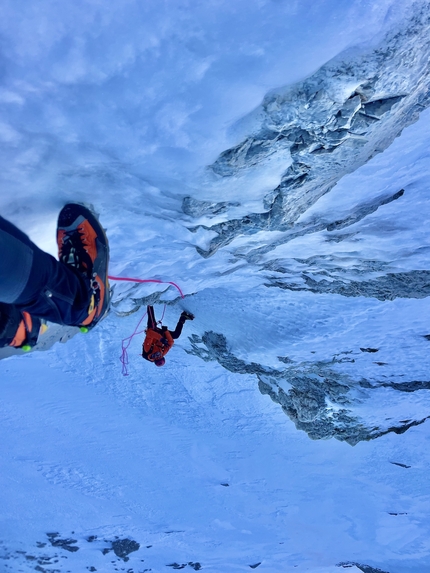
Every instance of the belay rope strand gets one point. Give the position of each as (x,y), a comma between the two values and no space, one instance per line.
(147,281)
(125,343)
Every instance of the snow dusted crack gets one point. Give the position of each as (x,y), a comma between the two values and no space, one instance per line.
(412,386)
(413,284)
(325,127)
(316,398)
(196,208)
(316,226)
(328,274)
(126,304)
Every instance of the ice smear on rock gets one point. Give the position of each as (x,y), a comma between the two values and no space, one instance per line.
(310,387)
(327,385)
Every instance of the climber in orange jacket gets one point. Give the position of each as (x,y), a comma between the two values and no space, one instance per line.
(159,340)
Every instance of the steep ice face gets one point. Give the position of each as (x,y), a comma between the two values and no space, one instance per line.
(355,244)
(318,303)
(323,128)
(318,212)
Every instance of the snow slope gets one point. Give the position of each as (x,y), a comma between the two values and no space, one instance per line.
(130,106)
(197,464)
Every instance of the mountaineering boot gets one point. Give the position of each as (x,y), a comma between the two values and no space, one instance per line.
(84,248)
(18,328)
(187,315)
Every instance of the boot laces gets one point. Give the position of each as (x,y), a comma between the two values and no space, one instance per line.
(74,254)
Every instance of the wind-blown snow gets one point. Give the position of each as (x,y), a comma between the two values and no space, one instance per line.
(129,106)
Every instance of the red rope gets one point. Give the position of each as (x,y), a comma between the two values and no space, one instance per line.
(147,281)
(124,347)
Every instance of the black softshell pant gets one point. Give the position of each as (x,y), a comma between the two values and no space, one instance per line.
(152,323)
(33,280)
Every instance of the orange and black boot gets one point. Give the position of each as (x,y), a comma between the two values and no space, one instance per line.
(84,248)
(18,328)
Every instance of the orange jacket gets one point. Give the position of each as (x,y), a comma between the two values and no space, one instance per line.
(152,345)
